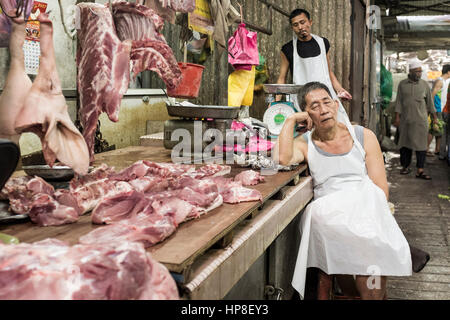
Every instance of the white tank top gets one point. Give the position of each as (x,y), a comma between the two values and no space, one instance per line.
(444,92)
(332,173)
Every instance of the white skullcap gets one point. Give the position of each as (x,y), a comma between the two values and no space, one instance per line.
(414,64)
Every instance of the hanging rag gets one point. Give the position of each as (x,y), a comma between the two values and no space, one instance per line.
(241,85)
(166,13)
(220,10)
(200,20)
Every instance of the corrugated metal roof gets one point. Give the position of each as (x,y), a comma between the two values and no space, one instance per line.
(415,7)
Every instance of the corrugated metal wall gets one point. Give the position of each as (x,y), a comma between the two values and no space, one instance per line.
(331,19)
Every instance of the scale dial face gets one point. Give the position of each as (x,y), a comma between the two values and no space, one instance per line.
(276,115)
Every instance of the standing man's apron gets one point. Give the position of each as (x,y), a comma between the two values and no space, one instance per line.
(348,228)
(315,69)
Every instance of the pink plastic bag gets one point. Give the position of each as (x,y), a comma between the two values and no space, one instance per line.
(243,47)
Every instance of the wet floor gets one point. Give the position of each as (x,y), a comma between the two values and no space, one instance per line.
(423,213)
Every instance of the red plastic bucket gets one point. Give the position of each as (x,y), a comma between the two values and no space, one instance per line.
(190,83)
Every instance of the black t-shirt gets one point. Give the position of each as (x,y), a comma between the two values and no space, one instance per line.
(305,49)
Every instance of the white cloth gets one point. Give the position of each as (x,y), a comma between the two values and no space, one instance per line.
(414,64)
(315,69)
(444,92)
(348,228)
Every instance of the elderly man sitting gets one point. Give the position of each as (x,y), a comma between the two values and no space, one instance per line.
(348,228)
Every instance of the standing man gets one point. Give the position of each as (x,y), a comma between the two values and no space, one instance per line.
(443,84)
(413,105)
(439,96)
(445,142)
(306,57)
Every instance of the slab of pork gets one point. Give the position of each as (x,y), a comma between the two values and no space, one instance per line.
(103,62)
(52,270)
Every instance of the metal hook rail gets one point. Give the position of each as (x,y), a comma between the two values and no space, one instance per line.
(268,30)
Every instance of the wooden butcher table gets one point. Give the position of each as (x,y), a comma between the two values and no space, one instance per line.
(203,254)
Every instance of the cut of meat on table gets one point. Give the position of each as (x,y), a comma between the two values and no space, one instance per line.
(173,207)
(90,189)
(148,229)
(149,48)
(136,170)
(249,178)
(233,191)
(46,211)
(127,205)
(184,199)
(119,207)
(45,111)
(65,197)
(21,190)
(52,270)
(209,170)
(169,169)
(150,184)
(101,172)
(17,84)
(143,168)
(198,192)
(90,194)
(103,68)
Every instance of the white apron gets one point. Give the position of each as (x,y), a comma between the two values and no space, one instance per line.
(348,228)
(315,69)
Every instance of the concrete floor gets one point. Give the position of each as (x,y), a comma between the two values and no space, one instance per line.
(425,222)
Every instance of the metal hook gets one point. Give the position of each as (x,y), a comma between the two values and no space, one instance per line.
(19,9)
(240,9)
(90,9)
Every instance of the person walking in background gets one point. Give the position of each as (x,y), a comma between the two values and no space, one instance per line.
(445,142)
(439,96)
(413,105)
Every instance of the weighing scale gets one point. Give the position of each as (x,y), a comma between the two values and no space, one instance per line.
(199,118)
(279,111)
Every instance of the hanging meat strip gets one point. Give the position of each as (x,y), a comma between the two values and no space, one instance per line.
(103,68)
(45,110)
(149,49)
